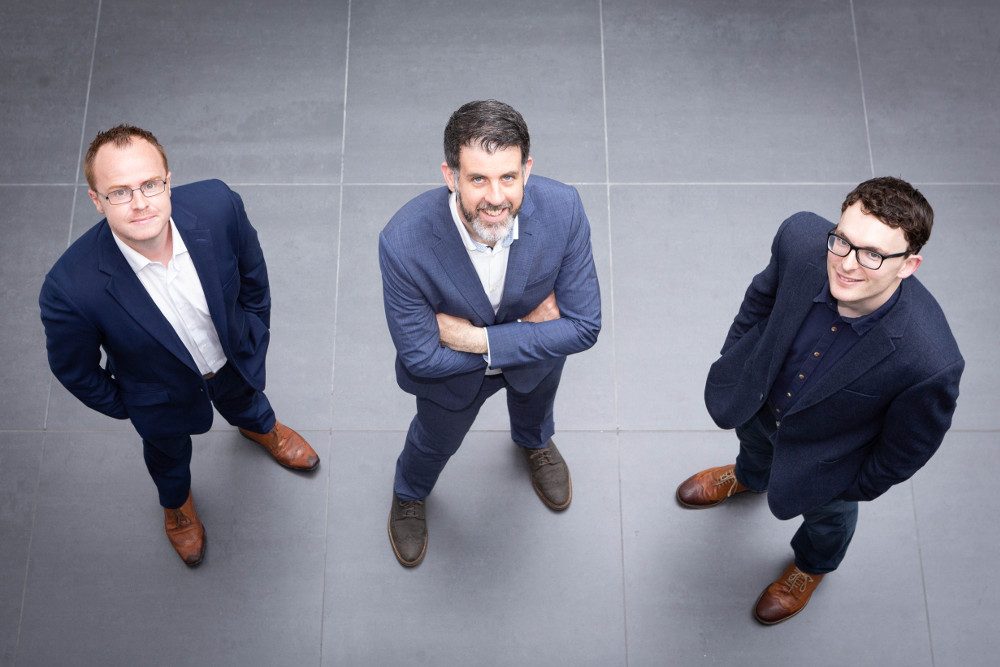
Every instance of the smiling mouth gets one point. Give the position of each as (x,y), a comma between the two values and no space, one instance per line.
(494,212)
(845,279)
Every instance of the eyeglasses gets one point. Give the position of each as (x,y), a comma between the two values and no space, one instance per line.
(869,259)
(124,195)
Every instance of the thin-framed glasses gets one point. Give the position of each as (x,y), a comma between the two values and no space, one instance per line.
(124,195)
(870,259)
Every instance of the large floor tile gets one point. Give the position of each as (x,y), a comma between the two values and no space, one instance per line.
(413,65)
(505,580)
(20,459)
(44,63)
(931,84)
(104,580)
(245,92)
(693,576)
(34,230)
(958,544)
(733,91)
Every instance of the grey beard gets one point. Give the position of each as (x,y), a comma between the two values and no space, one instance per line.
(491,235)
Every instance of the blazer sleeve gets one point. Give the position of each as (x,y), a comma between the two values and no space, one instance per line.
(914,427)
(74,352)
(413,323)
(578,296)
(255,292)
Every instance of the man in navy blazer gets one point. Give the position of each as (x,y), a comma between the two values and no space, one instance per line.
(840,375)
(488,284)
(172,286)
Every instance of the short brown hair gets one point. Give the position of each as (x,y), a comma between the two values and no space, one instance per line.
(899,205)
(121,136)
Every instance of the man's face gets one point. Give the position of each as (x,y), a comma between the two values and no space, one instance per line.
(490,190)
(144,222)
(860,291)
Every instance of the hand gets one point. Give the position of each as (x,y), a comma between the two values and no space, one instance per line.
(545,311)
(460,334)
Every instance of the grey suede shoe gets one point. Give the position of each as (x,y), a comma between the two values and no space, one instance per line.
(550,475)
(408,531)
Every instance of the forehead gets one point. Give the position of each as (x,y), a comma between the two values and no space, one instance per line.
(867,231)
(127,165)
(476,160)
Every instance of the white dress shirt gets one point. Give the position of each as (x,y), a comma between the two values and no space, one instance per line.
(177,292)
(490,264)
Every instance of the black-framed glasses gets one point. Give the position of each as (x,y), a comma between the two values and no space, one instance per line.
(124,195)
(870,259)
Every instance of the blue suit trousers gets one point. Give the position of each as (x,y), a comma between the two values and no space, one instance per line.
(169,459)
(826,531)
(436,433)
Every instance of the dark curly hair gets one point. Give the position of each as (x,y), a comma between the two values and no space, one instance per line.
(492,124)
(899,205)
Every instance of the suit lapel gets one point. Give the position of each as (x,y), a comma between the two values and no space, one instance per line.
(455,263)
(125,288)
(873,347)
(519,261)
(202,250)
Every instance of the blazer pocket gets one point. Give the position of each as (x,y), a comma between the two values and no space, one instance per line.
(141,394)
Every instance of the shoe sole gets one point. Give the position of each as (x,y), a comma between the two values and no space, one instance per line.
(288,467)
(402,561)
(677,495)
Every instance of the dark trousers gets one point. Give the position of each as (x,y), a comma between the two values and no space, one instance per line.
(436,433)
(169,459)
(826,531)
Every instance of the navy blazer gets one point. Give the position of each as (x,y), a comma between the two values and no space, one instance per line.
(874,419)
(426,270)
(92,299)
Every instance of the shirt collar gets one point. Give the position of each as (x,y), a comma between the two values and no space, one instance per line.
(865,323)
(137,261)
(469,242)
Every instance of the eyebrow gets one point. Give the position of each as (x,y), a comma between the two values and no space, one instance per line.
(141,182)
(838,232)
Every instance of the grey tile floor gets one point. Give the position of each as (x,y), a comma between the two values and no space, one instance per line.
(691,129)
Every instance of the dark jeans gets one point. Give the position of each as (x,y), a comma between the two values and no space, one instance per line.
(436,433)
(169,459)
(826,531)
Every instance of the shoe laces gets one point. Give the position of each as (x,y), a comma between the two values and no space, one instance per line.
(798,580)
(543,457)
(181,519)
(411,509)
(728,477)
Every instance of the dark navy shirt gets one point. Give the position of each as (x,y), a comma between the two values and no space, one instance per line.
(824,337)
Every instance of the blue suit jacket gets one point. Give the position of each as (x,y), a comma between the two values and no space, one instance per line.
(426,270)
(874,419)
(92,299)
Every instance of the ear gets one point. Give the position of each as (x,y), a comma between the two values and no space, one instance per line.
(910,265)
(527,168)
(98,202)
(167,179)
(449,176)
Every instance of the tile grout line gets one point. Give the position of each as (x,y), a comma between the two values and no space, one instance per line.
(614,355)
(923,574)
(336,312)
(861,83)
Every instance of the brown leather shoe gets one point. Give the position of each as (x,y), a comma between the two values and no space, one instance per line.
(787,596)
(408,531)
(709,487)
(185,532)
(286,446)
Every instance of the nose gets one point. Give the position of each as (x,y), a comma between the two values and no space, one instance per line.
(138,200)
(850,262)
(495,195)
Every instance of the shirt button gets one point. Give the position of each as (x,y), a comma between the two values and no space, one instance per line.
(833,328)
(815,354)
(801,376)
(789,394)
